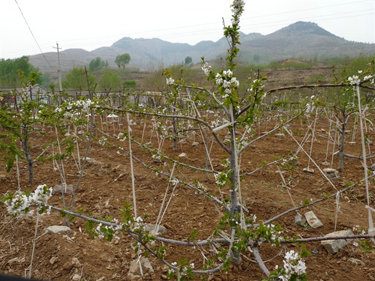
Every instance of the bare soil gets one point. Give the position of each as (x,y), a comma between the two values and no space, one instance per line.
(107,184)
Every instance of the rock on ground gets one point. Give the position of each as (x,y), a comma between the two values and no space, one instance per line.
(299,219)
(313,220)
(332,173)
(333,246)
(134,271)
(68,189)
(58,229)
(152,228)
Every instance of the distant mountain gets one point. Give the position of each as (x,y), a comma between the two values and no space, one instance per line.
(300,40)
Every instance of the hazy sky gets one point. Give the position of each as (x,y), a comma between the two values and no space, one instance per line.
(90,24)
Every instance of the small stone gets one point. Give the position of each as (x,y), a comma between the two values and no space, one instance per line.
(134,272)
(76,277)
(93,161)
(67,266)
(195,143)
(16,260)
(58,229)
(357,262)
(308,170)
(152,229)
(333,246)
(280,135)
(164,277)
(182,155)
(332,173)
(67,189)
(75,262)
(53,260)
(313,220)
(299,219)
(325,163)
(165,269)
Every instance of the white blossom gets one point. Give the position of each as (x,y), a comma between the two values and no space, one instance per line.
(226,84)
(237,9)
(367,77)
(293,265)
(102,141)
(228,73)
(235,82)
(206,68)
(354,80)
(170,81)
(219,81)
(20,203)
(112,115)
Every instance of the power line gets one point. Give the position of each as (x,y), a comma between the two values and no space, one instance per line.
(32,34)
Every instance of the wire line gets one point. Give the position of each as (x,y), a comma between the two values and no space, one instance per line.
(32,34)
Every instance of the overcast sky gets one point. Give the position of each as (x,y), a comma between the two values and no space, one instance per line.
(90,24)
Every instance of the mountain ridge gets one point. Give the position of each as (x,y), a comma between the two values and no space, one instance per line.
(305,40)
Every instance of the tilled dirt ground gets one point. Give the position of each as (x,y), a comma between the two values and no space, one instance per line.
(106,185)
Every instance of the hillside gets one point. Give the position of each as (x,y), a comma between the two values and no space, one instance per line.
(301,40)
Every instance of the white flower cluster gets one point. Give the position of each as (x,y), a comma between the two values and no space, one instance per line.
(201,187)
(20,203)
(112,115)
(174,181)
(227,81)
(294,266)
(218,121)
(253,218)
(121,136)
(183,269)
(237,9)
(274,234)
(354,80)
(102,141)
(114,228)
(170,81)
(220,178)
(206,68)
(73,108)
(135,224)
(368,77)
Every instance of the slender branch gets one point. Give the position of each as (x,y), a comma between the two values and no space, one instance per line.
(271,131)
(200,191)
(333,195)
(311,86)
(260,261)
(172,116)
(324,238)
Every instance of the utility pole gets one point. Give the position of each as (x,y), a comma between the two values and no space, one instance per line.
(59,66)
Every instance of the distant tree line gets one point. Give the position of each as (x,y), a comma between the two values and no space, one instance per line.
(105,79)
(14,71)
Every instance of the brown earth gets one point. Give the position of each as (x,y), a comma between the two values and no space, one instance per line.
(107,184)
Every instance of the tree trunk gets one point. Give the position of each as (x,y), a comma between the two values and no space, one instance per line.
(26,150)
(342,143)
